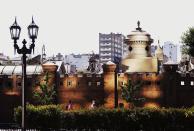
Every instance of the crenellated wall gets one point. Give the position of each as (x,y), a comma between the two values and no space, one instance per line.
(169,89)
(81,89)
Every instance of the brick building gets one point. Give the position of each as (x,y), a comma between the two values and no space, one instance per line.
(166,87)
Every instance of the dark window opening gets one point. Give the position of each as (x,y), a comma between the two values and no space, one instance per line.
(69,83)
(130,48)
(19,84)
(61,83)
(9,84)
(147,82)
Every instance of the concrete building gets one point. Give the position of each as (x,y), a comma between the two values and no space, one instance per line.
(170,50)
(58,57)
(111,47)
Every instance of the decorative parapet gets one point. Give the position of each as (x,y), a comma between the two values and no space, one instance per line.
(109,67)
(50,67)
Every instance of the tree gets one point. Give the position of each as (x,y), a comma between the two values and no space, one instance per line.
(45,94)
(131,93)
(188,42)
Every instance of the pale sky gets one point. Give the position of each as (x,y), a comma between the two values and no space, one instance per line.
(72,26)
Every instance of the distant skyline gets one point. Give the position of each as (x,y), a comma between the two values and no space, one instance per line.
(72,26)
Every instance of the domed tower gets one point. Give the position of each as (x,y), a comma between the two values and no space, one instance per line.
(139,58)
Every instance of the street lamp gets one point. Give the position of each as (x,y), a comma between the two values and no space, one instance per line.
(15,30)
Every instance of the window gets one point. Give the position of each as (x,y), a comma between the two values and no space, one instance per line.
(98,83)
(192,83)
(183,74)
(69,83)
(79,75)
(182,83)
(61,83)
(98,75)
(9,84)
(158,82)
(192,74)
(89,75)
(89,83)
(147,82)
(19,84)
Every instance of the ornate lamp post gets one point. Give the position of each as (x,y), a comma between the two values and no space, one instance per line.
(15,30)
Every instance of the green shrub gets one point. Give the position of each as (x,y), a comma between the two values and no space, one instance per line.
(54,117)
(40,116)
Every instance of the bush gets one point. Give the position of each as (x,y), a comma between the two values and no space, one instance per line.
(40,116)
(54,117)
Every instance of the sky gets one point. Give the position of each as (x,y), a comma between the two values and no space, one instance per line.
(73,26)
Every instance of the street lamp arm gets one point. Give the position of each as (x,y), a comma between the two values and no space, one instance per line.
(24,49)
(16,48)
(32,48)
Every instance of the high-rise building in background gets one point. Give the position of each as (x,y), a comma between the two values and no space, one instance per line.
(111,47)
(170,51)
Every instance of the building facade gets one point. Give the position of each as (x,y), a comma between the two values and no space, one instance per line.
(111,47)
(170,51)
(80,63)
(170,88)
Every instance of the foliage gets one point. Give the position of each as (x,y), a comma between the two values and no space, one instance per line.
(54,117)
(130,93)
(40,116)
(188,41)
(45,94)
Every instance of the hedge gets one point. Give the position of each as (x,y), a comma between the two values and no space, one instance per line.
(54,117)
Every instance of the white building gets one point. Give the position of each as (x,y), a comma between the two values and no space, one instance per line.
(170,51)
(77,63)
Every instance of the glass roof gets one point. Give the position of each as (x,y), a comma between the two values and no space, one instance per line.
(17,70)
(8,70)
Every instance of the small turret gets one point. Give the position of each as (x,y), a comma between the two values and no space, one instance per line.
(43,54)
(159,52)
